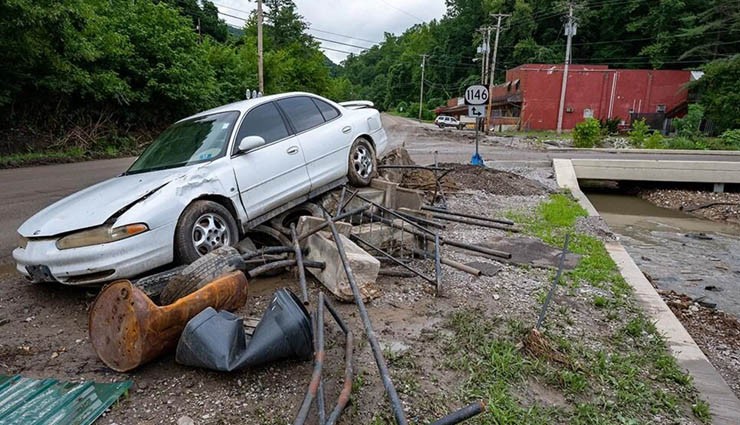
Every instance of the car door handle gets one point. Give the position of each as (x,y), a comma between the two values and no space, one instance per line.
(292,150)
(346,130)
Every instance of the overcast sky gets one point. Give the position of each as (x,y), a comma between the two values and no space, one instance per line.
(360,22)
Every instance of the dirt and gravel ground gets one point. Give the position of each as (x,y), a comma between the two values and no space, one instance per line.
(716,332)
(43,333)
(723,207)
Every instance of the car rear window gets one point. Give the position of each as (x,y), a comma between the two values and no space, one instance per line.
(328,111)
(264,121)
(302,112)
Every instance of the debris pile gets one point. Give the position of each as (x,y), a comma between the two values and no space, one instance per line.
(345,240)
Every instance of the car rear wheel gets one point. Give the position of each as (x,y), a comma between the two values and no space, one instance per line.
(203,227)
(362,163)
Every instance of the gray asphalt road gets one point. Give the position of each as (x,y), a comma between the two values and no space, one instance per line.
(24,191)
(422,139)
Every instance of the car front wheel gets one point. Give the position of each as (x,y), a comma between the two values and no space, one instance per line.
(362,163)
(203,227)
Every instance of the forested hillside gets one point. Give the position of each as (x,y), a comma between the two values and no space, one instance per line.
(665,34)
(102,75)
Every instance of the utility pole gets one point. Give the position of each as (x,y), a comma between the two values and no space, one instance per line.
(489,113)
(570,31)
(421,91)
(200,35)
(485,50)
(260,64)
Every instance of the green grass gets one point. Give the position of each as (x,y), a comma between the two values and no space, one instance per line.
(21,159)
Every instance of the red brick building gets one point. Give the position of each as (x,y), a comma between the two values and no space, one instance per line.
(530,98)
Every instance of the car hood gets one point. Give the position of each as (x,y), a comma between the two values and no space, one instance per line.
(95,205)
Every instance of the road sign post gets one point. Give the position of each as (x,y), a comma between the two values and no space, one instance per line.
(476,98)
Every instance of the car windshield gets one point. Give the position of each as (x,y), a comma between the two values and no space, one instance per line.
(187,142)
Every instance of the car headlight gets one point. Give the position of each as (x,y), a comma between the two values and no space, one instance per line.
(22,241)
(100,235)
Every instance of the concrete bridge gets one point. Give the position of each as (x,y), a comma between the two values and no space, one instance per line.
(717,172)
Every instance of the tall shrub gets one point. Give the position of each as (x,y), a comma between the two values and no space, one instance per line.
(587,133)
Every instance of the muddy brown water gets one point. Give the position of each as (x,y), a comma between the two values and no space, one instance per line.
(678,251)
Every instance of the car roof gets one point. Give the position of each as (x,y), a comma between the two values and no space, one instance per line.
(244,105)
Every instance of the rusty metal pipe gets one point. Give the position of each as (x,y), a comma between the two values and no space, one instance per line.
(284,263)
(473,216)
(313,386)
(475,248)
(127,329)
(452,263)
(299,262)
(466,412)
(474,223)
(385,374)
(344,395)
(268,250)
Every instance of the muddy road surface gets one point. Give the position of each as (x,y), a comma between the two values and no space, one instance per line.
(25,191)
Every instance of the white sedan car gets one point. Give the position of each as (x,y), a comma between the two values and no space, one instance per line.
(202,184)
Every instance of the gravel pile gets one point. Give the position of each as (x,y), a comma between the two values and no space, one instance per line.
(710,205)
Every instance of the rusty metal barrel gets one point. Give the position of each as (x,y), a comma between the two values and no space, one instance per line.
(127,329)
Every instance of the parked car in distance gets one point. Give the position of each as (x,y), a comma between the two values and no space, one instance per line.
(200,185)
(443,121)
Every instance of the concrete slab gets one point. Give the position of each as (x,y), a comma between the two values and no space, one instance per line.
(307,223)
(409,198)
(723,404)
(369,193)
(526,250)
(321,247)
(385,237)
(390,189)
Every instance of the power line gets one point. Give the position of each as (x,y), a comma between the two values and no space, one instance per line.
(337,50)
(343,44)
(344,35)
(403,11)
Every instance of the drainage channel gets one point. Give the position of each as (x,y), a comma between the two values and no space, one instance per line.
(678,251)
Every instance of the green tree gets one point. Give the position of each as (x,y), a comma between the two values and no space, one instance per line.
(719,90)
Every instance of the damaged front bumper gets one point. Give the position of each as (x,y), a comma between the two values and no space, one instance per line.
(40,260)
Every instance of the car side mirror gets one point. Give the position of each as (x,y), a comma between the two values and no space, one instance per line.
(250,142)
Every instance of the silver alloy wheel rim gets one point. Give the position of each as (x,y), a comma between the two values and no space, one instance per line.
(362,161)
(210,232)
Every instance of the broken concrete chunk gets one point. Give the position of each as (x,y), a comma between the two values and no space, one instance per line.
(375,195)
(409,198)
(390,189)
(386,237)
(321,247)
(307,223)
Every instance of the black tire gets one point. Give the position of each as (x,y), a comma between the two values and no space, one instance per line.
(264,236)
(208,221)
(153,285)
(201,272)
(282,222)
(363,164)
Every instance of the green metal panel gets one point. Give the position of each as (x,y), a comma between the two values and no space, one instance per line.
(26,401)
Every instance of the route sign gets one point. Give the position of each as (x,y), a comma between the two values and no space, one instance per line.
(477,111)
(476,95)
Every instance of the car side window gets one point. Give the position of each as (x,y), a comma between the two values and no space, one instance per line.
(302,112)
(328,111)
(264,121)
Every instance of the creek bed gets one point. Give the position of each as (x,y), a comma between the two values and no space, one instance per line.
(679,252)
